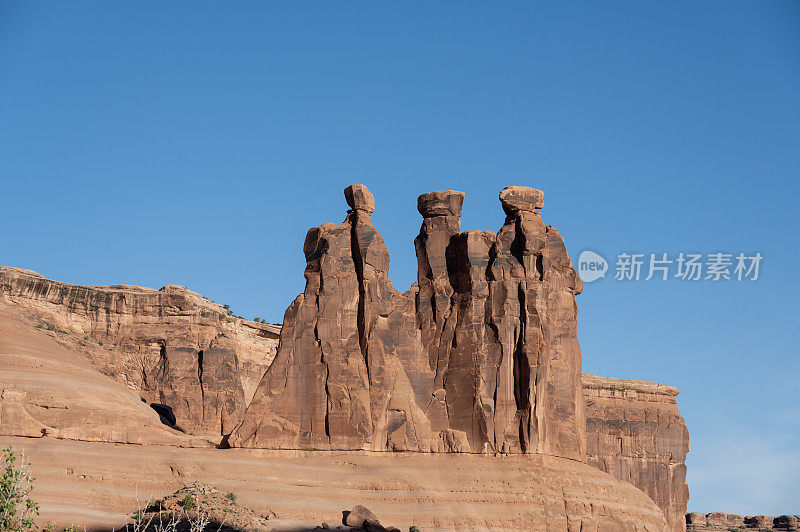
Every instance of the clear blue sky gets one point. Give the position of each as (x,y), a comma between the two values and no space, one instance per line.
(195,143)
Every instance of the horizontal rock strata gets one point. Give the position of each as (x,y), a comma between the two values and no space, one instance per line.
(171,345)
(636,433)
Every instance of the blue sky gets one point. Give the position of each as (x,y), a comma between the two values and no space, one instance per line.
(195,143)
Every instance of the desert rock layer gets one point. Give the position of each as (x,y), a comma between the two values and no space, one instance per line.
(172,345)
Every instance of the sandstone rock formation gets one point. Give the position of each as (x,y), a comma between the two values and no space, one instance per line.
(636,433)
(172,345)
(48,392)
(715,521)
(481,356)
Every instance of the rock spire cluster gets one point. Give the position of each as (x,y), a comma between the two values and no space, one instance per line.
(481,355)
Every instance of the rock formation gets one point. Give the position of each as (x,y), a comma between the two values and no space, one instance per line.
(172,345)
(481,356)
(48,392)
(636,433)
(716,521)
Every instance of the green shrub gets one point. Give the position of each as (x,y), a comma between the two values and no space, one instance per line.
(412,528)
(17,509)
(188,502)
(231,496)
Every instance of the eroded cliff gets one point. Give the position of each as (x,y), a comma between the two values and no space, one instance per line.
(172,346)
(636,433)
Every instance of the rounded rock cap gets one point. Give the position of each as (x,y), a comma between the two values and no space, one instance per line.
(359,198)
(515,199)
(440,203)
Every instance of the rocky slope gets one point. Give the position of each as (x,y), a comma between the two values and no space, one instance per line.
(636,433)
(164,344)
(46,391)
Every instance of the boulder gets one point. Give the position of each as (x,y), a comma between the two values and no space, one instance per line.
(359,198)
(359,517)
(440,203)
(515,199)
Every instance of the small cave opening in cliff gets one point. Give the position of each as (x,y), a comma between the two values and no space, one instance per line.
(166,414)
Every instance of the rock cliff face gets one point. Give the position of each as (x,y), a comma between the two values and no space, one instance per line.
(636,433)
(172,346)
(48,392)
(480,356)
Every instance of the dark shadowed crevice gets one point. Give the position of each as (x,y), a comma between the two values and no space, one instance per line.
(522,375)
(162,370)
(200,355)
(358,262)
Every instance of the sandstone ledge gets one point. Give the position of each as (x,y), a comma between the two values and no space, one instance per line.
(632,389)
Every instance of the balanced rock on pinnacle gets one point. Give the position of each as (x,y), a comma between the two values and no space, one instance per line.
(515,199)
(440,203)
(359,198)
